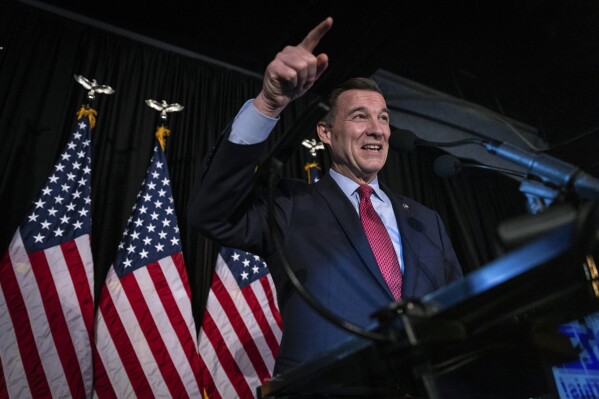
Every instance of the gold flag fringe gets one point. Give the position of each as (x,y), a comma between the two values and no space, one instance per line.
(161,134)
(307,167)
(310,165)
(89,112)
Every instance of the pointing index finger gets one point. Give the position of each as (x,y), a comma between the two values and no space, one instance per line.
(313,37)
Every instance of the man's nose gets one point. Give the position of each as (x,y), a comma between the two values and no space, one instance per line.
(376,127)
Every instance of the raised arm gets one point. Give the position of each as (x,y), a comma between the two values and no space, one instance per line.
(225,181)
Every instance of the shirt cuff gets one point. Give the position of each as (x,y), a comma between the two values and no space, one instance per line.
(250,126)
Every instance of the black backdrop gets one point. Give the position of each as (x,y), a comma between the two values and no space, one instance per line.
(39,98)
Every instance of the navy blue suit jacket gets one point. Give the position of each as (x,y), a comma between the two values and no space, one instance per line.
(323,239)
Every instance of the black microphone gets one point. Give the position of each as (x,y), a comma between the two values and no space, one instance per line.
(402,140)
(447,166)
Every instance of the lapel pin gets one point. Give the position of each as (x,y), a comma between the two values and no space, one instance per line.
(405,206)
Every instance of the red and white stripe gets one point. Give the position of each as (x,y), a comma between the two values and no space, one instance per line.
(240,335)
(46,320)
(145,334)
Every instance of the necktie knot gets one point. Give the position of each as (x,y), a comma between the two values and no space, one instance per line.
(365,191)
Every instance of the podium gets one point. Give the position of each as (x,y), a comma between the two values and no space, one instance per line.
(492,334)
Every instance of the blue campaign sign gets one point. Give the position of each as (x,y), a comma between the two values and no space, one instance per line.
(579,379)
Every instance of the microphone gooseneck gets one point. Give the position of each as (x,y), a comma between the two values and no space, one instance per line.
(402,140)
(448,166)
(548,169)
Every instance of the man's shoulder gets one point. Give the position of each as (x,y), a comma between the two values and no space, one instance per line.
(297,187)
(294,183)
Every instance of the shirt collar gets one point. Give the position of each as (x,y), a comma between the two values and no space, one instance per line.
(349,187)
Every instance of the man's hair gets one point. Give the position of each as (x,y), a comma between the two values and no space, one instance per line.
(350,84)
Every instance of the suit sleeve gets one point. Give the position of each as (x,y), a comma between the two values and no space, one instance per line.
(219,206)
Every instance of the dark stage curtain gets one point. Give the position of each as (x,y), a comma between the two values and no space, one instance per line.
(39,98)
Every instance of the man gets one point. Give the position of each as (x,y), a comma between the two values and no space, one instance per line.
(319,225)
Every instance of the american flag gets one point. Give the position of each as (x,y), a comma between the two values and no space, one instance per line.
(46,284)
(241,330)
(145,331)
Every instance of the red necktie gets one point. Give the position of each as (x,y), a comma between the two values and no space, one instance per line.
(380,242)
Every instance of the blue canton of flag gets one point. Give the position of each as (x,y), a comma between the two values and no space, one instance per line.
(61,212)
(245,267)
(313,172)
(152,231)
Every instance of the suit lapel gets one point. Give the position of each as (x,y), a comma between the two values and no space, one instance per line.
(350,222)
(409,244)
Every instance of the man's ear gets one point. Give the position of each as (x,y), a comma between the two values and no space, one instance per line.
(324,134)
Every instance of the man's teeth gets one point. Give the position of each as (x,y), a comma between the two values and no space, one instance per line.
(372,147)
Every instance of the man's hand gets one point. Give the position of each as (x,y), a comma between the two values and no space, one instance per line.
(293,72)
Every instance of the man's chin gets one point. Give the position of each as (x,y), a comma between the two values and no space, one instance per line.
(372,168)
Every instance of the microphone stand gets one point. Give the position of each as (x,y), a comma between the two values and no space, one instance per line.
(538,196)
(549,169)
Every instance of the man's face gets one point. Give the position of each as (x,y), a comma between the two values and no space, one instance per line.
(359,136)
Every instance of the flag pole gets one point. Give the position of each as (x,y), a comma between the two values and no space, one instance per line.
(312,168)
